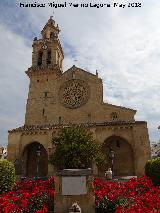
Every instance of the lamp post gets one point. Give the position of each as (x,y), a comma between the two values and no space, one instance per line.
(38,152)
(111,156)
(22,166)
(50,148)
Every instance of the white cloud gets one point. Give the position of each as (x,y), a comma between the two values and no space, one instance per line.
(15,57)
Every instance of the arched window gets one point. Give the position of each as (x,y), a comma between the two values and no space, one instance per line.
(49,57)
(40,55)
(51,35)
(114,116)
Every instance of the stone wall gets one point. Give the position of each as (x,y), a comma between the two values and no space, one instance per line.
(130,157)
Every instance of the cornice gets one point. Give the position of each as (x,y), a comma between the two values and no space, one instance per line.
(41,70)
(46,127)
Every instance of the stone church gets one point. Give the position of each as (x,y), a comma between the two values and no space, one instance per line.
(58,99)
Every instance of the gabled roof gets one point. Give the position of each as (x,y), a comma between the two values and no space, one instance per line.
(73,68)
(78,69)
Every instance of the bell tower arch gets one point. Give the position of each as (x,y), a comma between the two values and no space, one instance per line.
(47,51)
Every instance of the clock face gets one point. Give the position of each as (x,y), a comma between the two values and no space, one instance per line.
(74,93)
(44,46)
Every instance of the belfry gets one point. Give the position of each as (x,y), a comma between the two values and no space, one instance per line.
(58,99)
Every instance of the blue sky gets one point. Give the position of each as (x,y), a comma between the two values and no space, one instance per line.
(122,44)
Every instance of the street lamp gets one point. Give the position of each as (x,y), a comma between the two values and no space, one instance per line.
(38,152)
(111,156)
(50,148)
(22,166)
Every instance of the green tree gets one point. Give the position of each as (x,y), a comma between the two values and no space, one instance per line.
(76,148)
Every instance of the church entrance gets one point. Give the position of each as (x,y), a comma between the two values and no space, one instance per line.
(120,157)
(35,160)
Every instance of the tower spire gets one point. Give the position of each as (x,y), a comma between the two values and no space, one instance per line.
(50,30)
(47,51)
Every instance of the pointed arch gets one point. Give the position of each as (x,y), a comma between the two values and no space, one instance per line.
(40,57)
(123,162)
(49,56)
(35,160)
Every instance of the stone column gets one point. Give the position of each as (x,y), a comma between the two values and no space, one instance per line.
(74,185)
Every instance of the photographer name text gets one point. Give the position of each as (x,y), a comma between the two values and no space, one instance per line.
(83,5)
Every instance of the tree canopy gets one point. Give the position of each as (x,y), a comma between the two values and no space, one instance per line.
(76,148)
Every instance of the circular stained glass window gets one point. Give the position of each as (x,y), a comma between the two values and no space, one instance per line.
(74,93)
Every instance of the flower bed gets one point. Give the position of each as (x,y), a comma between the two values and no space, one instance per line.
(136,195)
(29,196)
(37,196)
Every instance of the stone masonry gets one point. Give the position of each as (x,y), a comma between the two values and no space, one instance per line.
(58,99)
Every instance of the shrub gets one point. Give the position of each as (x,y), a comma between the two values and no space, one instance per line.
(29,196)
(7,176)
(75,148)
(155,170)
(148,168)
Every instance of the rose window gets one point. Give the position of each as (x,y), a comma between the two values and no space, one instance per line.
(74,93)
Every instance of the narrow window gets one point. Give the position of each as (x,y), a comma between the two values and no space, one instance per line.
(60,120)
(52,35)
(89,118)
(45,94)
(49,57)
(40,54)
(73,75)
(43,111)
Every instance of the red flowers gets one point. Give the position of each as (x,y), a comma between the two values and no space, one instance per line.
(138,195)
(133,196)
(29,196)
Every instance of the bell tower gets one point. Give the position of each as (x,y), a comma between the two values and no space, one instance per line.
(47,51)
(46,69)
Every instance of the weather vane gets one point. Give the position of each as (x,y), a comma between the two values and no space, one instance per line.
(51,17)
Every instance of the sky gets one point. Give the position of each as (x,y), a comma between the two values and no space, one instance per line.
(123,44)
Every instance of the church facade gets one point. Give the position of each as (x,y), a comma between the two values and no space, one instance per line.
(58,99)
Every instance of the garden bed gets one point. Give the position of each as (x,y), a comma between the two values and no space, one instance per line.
(29,196)
(37,196)
(135,195)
